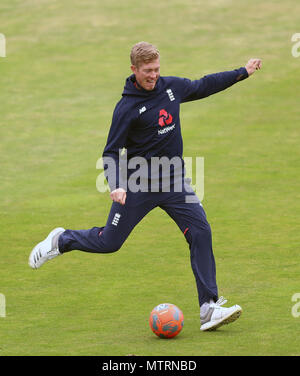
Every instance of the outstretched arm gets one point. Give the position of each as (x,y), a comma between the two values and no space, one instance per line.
(214,83)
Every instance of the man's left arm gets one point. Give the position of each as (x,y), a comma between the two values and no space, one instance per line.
(214,83)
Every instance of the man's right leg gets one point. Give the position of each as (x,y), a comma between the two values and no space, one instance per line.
(121,221)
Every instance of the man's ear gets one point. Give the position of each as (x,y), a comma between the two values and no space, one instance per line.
(133,68)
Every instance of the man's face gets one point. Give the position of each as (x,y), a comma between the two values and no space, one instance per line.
(147,74)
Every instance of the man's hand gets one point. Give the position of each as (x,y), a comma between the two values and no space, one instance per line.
(253,65)
(118,195)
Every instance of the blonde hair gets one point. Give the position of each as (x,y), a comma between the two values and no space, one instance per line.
(143,52)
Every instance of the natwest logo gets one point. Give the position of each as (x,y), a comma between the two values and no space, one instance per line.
(164,118)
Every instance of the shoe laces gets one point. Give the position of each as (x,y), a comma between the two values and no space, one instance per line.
(219,302)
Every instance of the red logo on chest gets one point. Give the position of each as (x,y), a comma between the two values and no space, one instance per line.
(164,118)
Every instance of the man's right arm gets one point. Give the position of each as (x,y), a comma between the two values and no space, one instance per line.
(115,142)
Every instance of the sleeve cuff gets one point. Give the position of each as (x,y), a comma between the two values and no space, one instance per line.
(242,74)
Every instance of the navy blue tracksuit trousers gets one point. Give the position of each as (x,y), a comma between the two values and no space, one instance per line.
(190,218)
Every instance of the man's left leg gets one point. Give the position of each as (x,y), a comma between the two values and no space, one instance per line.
(186,210)
(191,219)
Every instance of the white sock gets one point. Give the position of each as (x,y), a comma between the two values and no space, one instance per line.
(204,307)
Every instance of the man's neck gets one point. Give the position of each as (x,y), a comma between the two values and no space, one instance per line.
(136,84)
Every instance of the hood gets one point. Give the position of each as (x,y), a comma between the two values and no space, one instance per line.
(132,88)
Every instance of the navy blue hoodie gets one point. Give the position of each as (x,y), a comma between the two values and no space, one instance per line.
(147,123)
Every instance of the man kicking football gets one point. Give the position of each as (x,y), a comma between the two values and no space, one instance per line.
(146,123)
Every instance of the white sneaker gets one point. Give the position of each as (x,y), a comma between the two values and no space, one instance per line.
(45,250)
(216,316)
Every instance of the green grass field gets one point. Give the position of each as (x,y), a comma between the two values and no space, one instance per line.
(64,70)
